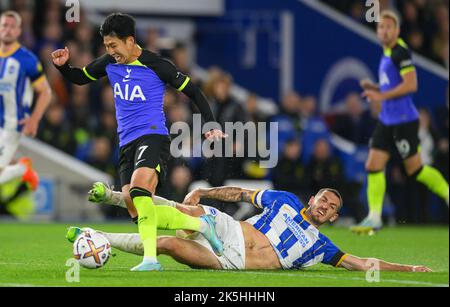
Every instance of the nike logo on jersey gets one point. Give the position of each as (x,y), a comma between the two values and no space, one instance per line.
(142,160)
(127,77)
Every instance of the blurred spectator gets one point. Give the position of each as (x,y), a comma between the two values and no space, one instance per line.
(251,106)
(84,38)
(290,174)
(357,11)
(425,25)
(416,40)
(80,115)
(325,170)
(56,131)
(151,40)
(108,129)
(179,181)
(289,120)
(27,38)
(178,112)
(181,59)
(107,99)
(226,110)
(100,155)
(313,126)
(356,124)
(52,36)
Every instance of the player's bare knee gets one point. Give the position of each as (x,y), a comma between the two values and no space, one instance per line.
(413,165)
(373,168)
(144,178)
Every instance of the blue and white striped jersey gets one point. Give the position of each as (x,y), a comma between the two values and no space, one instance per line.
(297,243)
(19,71)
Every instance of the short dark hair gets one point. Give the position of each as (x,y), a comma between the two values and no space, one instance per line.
(335,192)
(119,25)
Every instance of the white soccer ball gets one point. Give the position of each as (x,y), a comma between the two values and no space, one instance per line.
(92,250)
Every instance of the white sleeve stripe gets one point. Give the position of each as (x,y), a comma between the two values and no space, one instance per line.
(258,198)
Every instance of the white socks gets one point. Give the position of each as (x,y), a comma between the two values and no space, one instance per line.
(126,242)
(161,201)
(115,198)
(12,172)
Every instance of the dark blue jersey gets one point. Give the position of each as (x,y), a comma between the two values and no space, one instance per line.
(395,63)
(139,91)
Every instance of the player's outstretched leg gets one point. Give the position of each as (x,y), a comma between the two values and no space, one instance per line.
(169,218)
(184,251)
(172,219)
(433,180)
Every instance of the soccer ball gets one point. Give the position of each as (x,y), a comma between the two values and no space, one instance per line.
(92,250)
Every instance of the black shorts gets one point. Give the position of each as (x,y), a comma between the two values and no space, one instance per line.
(151,150)
(403,138)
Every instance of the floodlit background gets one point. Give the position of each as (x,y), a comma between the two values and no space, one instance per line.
(295,62)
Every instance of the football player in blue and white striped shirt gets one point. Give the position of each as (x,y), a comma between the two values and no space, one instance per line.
(21,75)
(284,236)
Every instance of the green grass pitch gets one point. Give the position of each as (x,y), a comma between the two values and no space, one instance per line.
(36,254)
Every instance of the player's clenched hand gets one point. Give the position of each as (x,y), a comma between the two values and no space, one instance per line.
(215,135)
(193,198)
(60,56)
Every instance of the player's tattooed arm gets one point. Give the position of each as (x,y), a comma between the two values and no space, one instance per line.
(228,194)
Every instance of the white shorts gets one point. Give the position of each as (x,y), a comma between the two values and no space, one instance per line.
(230,232)
(9,142)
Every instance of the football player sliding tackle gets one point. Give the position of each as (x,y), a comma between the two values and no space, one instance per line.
(284,236)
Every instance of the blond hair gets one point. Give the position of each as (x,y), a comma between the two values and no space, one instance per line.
(391,15)
(12,14)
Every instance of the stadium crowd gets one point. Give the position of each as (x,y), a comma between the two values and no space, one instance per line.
(81,120)
(425,25)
